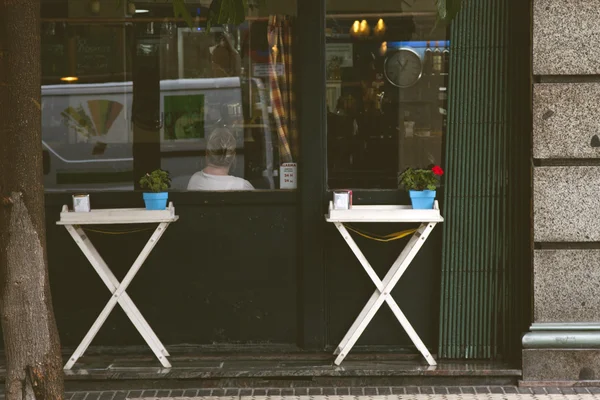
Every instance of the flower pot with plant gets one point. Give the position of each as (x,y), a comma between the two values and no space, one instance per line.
(421,185)
(155,185)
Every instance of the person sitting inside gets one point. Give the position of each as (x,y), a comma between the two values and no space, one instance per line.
(220,158)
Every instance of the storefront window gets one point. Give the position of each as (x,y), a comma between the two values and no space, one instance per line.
(387,68)
(129,90)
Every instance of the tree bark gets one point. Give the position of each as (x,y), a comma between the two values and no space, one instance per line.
(31,342)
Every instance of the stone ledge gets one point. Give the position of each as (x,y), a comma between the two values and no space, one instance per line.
(552,365)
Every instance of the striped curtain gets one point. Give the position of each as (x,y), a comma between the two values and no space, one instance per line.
(281,85)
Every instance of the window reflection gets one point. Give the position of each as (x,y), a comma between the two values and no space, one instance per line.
(126,94)
(387,67)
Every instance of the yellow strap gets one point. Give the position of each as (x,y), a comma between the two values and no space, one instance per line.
(379,238)
(117,232)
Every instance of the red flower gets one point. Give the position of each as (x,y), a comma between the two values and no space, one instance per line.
(437,170)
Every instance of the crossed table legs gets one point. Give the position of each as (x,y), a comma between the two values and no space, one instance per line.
(118,294)
(383,293)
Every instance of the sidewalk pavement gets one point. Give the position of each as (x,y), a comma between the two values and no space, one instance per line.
(340,393)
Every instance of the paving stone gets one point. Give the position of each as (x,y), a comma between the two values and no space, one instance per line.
(315,391)
(426,390)
(398,390)
(594,390)
(356,392)
(384,391)
(147,393)
(122,395)
(509,389)
(538,390)
(107,395)
(522,390)
(553,390)
(204,392)
(581,390)
(370,391)
(258,392)
(194,393)
(567,390)
(79,396)
(93,396)
(495,390)
(284,392)
(162,394)
(482,390)
(174,393)
(412,390)
(231,392)
(301,391)
(329,391)
(342,391)
(468,390)
(273,392)
(439,390)
(454,390)
(221,392)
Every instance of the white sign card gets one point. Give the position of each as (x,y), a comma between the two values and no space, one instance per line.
(343,51)
(288,176)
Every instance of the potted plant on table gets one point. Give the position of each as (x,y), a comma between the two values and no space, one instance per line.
(156,184)
(421,185)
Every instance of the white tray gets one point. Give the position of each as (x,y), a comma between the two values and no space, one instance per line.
(393,213)
(117,216)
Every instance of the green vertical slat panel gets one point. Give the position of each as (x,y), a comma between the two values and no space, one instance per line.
(486,257)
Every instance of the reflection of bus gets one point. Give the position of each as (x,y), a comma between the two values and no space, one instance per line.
(87,131)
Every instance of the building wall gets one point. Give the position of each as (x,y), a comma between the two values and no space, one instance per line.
(564,340)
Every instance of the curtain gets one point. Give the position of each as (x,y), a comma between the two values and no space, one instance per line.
(281,86)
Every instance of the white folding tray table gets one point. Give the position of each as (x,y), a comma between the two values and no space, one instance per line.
(72,221)
(390,214)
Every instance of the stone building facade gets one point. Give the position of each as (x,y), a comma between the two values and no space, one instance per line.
(563,343)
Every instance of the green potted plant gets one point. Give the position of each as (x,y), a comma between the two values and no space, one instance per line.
(155,185)
(421,185)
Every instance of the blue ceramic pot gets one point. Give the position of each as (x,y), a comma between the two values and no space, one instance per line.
(422,199)
(156,201)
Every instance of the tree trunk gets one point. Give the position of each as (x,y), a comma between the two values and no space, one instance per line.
(31,343)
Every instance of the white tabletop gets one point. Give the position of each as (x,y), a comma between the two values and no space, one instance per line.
(384,213)
(117,216)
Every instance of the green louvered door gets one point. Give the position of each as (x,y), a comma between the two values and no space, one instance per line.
(485,299)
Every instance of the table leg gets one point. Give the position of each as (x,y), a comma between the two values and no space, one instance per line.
(111,282)
(115,298)
(383,292)
(372,274)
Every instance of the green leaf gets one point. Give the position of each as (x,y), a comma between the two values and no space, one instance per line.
(448,9)
(180,10)
(231,12)
(156,181)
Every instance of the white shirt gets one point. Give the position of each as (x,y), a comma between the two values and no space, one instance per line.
(203,181)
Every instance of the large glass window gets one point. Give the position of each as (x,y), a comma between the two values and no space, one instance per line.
(387,67)
(132,89)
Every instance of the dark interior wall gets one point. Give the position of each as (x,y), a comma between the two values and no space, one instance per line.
(224,273)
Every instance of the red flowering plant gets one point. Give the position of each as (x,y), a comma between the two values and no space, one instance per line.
(420,179)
